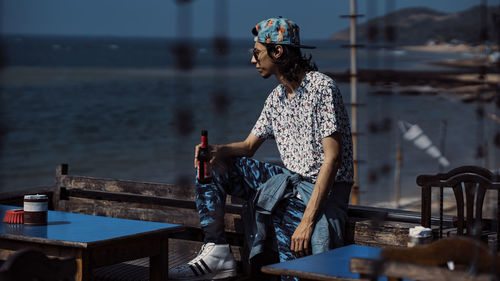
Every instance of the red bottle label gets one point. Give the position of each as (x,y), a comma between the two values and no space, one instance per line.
(204,173)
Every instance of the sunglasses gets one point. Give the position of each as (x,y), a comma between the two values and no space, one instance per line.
(255,53)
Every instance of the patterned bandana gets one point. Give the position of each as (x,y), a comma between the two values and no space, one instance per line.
(278,31)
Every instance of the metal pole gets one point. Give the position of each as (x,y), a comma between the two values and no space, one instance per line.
(442,143)
(397,173)
(355,188)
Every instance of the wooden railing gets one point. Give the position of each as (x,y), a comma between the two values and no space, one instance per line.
(176,204)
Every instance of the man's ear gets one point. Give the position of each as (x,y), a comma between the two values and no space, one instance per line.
(278,51)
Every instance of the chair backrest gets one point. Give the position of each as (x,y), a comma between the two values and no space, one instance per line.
(28,265)
(474,182)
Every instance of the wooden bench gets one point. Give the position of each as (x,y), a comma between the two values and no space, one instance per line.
(158,202)
(170,203)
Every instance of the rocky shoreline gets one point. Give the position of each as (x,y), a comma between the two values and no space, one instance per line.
(474,78)
(471,86)
(452,48)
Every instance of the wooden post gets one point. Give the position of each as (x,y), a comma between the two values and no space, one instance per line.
(355,187)
(83,271)
(442,143)
(61,170)
(353,73)
(158,264)
(397,175)
(426,206)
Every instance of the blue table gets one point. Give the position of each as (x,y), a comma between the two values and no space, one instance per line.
(94,241)
(330,265)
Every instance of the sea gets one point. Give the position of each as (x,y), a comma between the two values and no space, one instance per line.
(133,109)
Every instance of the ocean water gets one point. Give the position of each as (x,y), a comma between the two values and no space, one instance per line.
(119,108)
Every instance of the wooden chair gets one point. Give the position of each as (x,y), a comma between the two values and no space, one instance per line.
(29,265)
(472,180)
(471,258)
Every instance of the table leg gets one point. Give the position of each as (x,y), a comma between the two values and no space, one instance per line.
(158,265)
(83,271)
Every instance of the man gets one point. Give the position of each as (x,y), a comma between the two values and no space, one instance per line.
(296,210)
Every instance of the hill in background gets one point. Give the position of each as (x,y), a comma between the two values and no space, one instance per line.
(421,25)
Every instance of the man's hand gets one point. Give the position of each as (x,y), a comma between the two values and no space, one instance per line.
(301,239)
(213,150)
(220,153)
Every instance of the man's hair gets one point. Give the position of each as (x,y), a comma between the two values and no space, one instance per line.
(292,62)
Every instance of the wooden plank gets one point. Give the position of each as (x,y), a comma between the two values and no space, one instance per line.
(133,187)
(173,191)
(127,197)
(385,214)
(306,275)
(381,234)
(147,212)
(10,246)
(136,211)
(411,271)
(135,198)
(5,238)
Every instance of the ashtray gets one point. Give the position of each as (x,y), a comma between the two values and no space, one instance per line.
(14,216)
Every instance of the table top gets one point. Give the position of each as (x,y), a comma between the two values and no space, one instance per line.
(333,263)
(79,229)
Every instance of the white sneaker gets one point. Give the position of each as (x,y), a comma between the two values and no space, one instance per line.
(214,261)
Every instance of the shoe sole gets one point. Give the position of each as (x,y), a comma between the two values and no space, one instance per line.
(225,274)
(220,275)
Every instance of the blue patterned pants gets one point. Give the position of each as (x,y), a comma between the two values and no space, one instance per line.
(241,178)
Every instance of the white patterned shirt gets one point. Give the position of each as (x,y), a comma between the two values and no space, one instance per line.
(298,124)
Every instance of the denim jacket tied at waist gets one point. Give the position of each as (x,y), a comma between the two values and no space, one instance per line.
(329,229)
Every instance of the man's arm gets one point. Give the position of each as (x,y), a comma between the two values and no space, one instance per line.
(301,238)
(246,148)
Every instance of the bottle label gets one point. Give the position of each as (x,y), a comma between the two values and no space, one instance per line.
(201,168)
(204,171)
(207,171)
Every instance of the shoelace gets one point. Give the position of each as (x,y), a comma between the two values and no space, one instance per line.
(202,253)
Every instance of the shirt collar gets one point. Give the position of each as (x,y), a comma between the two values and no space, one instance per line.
(300,89)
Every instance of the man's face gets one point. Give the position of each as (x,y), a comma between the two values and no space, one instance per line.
(262,61)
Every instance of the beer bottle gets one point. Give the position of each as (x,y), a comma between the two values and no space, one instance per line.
(204,173)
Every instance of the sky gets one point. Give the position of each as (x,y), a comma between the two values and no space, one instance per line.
(318,19)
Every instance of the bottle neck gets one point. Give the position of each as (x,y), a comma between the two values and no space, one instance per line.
(204,141)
